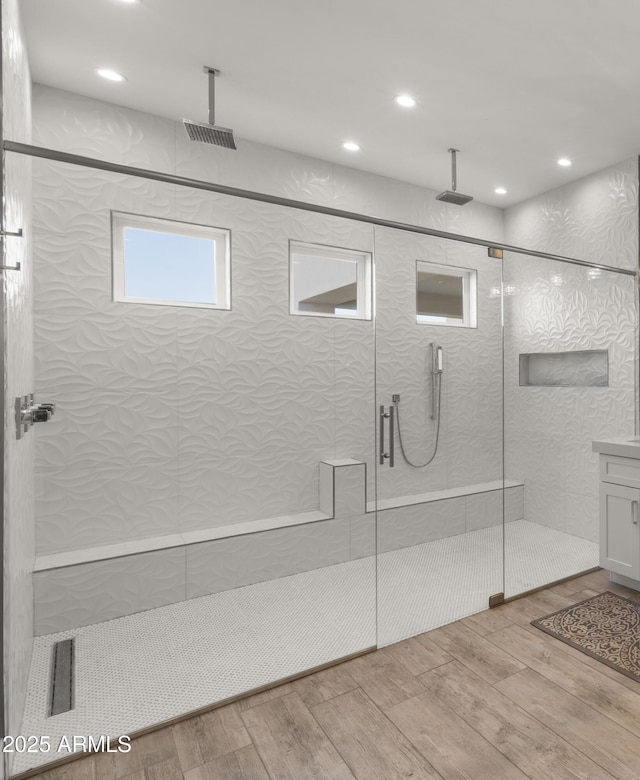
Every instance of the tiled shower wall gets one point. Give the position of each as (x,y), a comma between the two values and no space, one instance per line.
(170,418)
(17,328)
(469,450)
(176,419)
(554,307)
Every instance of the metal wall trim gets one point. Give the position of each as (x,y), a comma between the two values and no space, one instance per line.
(221,189)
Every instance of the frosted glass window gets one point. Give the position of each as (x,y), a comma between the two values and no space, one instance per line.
(169,263)
(446,295)
(329,282)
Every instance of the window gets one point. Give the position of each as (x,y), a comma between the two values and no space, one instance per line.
(169,263)
(329,282)
(446,295)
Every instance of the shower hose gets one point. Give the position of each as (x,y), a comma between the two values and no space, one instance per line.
(435,449)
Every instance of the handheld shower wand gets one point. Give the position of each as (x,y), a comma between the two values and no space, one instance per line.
(436,378)
(437,364)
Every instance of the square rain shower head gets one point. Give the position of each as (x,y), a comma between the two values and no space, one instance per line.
(448,196)
(210,134)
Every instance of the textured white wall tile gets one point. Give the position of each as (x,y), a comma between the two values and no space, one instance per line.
(17,336)
(409,525)
(104,504)
(470,440)
(326,489)
(257,167)
(93,592)
(513,504)
(81,125)
(484,510)
(244,399)
(350,490)
(549,430)
(244,560)
(362,536)
(594,218)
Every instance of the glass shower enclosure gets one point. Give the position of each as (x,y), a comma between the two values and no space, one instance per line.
(354,446)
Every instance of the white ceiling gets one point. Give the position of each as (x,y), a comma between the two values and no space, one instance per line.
(513,84)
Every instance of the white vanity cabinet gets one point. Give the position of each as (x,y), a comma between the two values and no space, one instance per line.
(620,509)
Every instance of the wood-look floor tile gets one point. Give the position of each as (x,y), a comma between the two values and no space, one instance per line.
(555,645)
(208,736)
(610,746)
(627,593)
(418,654)
(605,694)
(475,652)
(324,685)
(290,742)
(372,746)
(260,698)
(583,582)
(145,751)
(568,588)
(165,770)
(454,748)
(312,689)
(534,606)
(244,764)
(583,595)
(383,678)
(534,748)
(81,769)
(487,621)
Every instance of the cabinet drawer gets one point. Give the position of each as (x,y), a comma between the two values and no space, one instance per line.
(620,471)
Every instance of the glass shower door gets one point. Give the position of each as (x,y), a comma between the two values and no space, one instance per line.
(440,497)
(202,526)
(570,378)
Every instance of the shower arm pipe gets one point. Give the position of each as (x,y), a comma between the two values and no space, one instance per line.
(222,189)
(454,170)
(213,74)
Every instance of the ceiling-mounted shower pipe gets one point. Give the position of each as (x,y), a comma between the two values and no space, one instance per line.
(452,196)
(211,133)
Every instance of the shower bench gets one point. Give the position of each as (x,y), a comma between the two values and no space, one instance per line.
(79,587)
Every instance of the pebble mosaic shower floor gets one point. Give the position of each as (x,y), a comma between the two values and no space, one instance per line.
(142,669)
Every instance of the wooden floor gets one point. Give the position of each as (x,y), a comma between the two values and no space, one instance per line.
(486,698)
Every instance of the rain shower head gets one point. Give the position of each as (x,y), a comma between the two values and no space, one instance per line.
(210,133)
(451,196)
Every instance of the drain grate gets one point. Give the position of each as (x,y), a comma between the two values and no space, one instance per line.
(62,671)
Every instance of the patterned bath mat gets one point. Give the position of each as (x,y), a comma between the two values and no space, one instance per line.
(606,627)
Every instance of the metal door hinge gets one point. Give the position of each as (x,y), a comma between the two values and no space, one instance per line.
(28,413)
(17,234)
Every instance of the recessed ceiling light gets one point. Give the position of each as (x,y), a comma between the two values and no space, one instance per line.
(129,1)
(564,161)
(111,75)
(351,146)
(500,191)
(405,100)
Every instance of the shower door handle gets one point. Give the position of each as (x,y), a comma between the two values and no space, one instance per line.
(384,415)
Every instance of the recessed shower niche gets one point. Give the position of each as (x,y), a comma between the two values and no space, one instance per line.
(582,368)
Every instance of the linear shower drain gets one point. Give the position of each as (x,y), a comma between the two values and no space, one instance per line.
(62,672)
